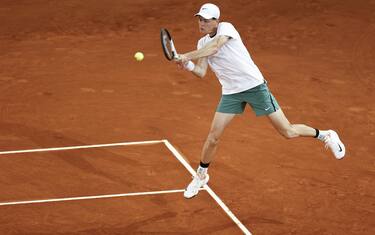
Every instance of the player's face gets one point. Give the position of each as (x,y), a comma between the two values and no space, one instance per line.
(207,26)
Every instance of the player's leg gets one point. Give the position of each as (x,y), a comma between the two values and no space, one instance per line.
(229,106)
(288,130)
(264,103)
(283,126)
(220,121)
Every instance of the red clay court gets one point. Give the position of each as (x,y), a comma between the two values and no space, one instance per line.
(68,78)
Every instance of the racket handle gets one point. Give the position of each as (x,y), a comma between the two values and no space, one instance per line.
(176,56)
(174,51)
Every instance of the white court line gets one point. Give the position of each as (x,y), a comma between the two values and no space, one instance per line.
(209,190)
(83,147)
(91,197)
(169,146)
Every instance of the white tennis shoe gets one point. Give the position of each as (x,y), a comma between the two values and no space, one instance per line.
(193,188)
(333,142)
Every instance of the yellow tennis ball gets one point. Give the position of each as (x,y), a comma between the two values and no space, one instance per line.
(139,56)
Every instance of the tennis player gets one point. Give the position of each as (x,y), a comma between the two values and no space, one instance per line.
(242,83)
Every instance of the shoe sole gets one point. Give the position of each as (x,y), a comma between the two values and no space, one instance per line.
(194,194)
(191,197)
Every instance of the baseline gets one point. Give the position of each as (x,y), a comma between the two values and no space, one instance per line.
(83,147)
(91,197)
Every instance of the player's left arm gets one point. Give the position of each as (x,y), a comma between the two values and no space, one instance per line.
(210,48)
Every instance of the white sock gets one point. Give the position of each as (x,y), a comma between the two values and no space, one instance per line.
(322,135)
(201,172)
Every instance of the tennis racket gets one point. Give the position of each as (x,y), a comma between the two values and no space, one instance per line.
(167,45)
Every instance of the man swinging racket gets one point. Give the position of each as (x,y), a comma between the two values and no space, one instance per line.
(242,83)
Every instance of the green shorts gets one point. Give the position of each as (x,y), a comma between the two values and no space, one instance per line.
(259,98)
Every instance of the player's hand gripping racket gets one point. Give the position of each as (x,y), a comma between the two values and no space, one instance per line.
(167,45)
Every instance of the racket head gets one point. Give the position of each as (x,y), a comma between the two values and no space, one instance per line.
(167,44)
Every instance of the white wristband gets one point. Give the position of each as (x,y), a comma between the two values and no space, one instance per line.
(189,66)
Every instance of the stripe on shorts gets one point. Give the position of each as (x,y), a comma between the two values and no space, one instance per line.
(273,105)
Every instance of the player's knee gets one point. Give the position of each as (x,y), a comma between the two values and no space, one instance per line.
(213,139)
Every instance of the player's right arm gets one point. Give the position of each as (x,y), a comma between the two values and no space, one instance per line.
(201,55)
(208,49)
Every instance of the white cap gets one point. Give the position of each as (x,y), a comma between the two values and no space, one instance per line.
(209,11)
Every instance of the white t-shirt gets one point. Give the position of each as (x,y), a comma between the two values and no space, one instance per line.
(232,63)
